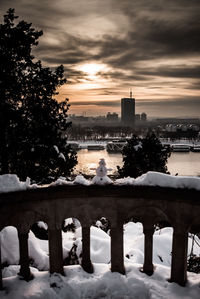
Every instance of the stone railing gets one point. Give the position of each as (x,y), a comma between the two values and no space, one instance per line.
(148,205)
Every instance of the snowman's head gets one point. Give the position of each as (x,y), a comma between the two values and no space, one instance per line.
(102,162)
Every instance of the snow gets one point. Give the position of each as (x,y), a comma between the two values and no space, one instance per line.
(102,283)
(99,245)
(10,249)
(42,224)
(14,270)
(60,181)
(150,178)
(101,180)
(80,180)
(10,182)
(138,146)
(153,178)
(9,246)
(68,221)
(61,156)
(37,254)
(56,149)
(77,284)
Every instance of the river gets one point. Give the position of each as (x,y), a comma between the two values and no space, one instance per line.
(182,163)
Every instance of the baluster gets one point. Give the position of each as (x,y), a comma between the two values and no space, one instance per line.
(86,261)
(55,250)
(179,257)
(117,249)
(148,267)
(24,257)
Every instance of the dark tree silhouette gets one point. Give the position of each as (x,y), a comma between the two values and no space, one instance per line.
(141,155)
(33,124)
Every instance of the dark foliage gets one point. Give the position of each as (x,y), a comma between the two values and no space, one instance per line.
(40,232)
(141,155)
(103,223)
(71,227)
(72,258)
(32,122)
(193,264)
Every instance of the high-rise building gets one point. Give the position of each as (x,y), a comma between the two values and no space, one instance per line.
(128,110)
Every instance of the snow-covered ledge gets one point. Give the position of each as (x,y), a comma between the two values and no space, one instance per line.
(10,182)
(149,199)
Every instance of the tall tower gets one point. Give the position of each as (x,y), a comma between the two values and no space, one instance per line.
(128,110)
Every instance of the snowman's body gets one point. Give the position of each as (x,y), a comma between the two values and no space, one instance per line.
(101,177)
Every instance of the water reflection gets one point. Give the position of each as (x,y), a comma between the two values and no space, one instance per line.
(184,163)
(181,163)
(90,159)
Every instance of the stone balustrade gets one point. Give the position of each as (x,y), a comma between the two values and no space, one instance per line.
(148,205)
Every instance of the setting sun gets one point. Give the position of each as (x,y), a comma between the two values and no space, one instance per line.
(91,68)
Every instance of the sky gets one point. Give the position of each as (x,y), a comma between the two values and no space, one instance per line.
(109,47)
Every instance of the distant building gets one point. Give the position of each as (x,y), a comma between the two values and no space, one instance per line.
(137,117)
(113,117)
(143,116)
(181,128)
(170,128)
(128,110)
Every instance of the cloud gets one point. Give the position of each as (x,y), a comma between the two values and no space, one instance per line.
(177,107)
(152,40)
(96,103)
(154,31)
(125,76)
(166,102)
(176,72)
(142,42)
(172,101)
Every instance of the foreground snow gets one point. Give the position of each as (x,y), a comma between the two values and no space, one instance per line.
(101,284)
(10,182)
(99,247)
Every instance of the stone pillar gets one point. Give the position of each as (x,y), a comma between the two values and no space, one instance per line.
(179,257)
(55,250)
(148,267)
(117,249)
(24,257)
(86,262)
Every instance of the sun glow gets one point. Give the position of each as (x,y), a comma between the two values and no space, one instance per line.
(91,69)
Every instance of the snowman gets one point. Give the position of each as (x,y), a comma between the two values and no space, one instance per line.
(101,177)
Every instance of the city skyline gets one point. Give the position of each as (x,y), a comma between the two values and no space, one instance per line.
(109,47)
